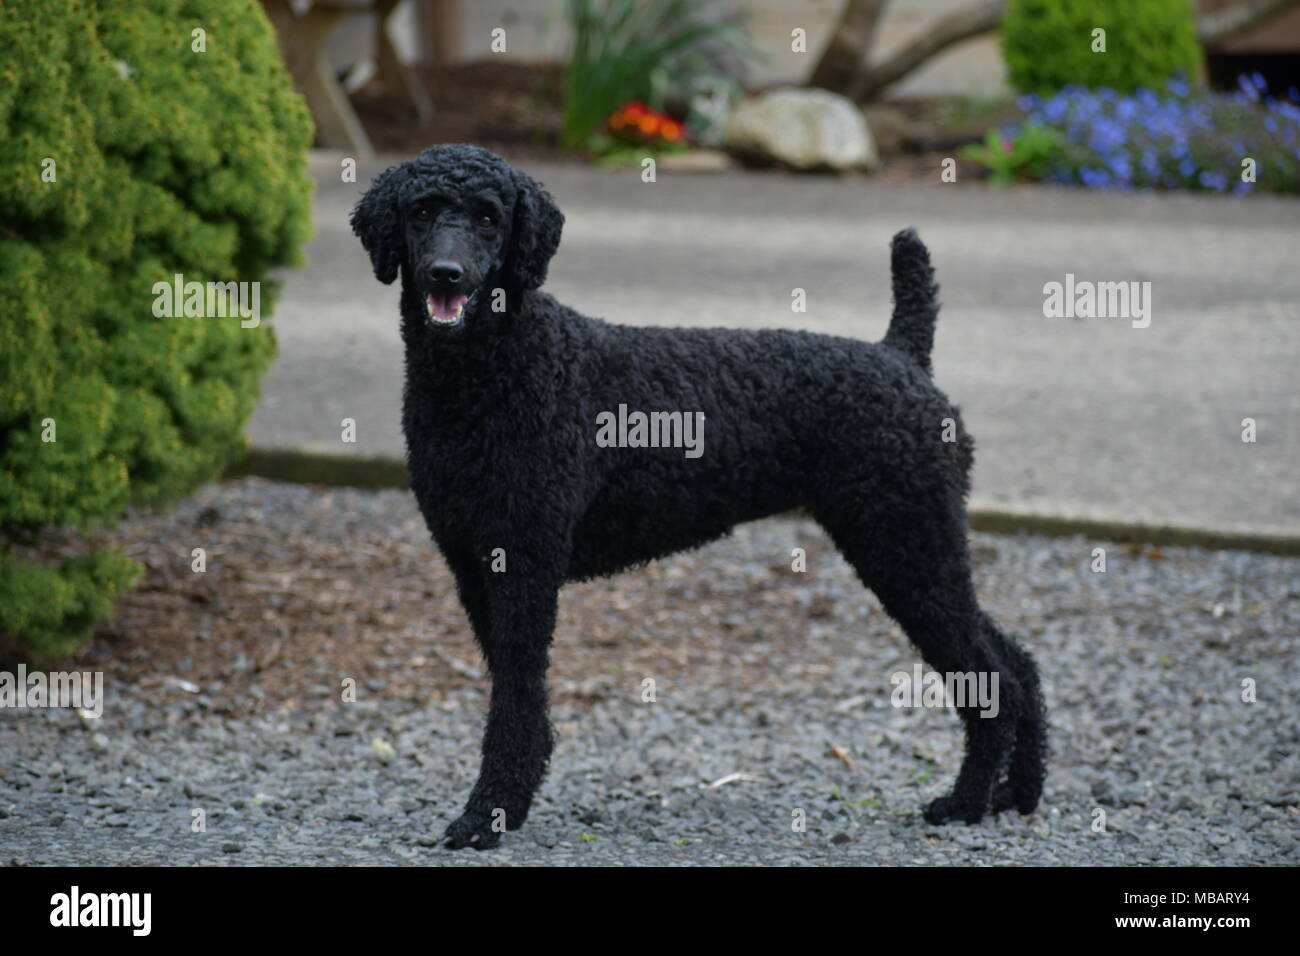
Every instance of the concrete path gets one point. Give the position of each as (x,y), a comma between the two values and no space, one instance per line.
(1081,418)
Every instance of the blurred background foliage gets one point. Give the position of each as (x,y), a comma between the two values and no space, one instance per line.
(1051,44)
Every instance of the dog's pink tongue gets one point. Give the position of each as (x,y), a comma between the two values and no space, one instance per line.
(445,307)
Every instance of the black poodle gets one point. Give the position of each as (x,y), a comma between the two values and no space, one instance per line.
(545,446)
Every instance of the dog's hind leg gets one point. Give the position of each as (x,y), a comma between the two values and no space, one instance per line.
(915,559)
(1024,784)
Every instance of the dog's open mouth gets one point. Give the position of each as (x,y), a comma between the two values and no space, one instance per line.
(446,309)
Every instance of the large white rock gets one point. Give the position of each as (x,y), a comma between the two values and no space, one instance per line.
(803,128)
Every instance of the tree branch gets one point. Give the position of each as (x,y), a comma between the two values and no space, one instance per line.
(855,32)
(853,37)
(945,32)
(1234,21)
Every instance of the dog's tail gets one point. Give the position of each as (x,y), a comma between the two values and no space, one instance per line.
(916,306)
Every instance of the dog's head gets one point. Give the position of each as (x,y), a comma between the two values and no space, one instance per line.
(458,222)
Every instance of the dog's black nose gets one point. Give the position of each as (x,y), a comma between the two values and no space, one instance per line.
(445,273)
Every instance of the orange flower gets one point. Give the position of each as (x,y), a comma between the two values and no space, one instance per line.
(636,123)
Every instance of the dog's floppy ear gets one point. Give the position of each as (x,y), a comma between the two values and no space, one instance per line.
(534,234)
(375,222)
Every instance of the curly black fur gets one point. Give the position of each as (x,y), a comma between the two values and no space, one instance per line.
(500,416)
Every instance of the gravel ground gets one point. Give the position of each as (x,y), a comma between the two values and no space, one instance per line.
(778,676)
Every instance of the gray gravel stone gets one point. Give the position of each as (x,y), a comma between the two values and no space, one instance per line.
(1142,678)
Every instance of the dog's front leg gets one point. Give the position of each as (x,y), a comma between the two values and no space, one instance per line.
(517,741)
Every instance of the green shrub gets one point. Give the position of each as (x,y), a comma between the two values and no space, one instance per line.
(128,156)
(1024,156)
(52,608)
(1048,44)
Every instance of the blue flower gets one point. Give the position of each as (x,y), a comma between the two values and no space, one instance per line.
(1055,109)
(1183,138)
(1094,178)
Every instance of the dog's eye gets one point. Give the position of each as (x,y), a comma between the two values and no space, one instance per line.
(486,222)
(422,213)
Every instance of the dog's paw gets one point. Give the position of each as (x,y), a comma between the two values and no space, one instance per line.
(1003,799)
(951,807)
(1007,797)
(473,829)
